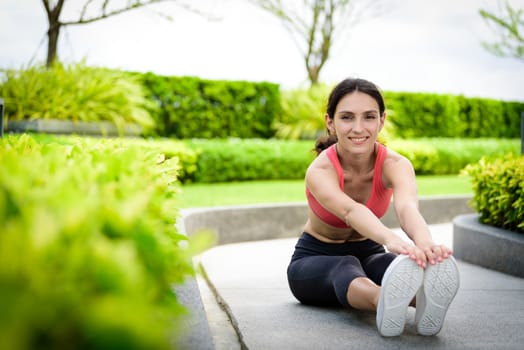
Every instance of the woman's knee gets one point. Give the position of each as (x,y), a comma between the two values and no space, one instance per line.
(348,270)
(375,265)
(350,261)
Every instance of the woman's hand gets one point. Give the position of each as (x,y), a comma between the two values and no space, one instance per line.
(398,245)
(434,253)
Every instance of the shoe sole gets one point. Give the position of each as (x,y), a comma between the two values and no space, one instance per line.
(441,283)
(400,283)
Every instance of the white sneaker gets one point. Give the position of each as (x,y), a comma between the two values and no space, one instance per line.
(441,283)
(400,283)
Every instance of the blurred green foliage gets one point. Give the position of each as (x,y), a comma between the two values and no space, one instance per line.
(88,248)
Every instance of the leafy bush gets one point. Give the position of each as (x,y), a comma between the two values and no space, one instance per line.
(196,108)
(88,247)
(498,188)
(75,92)
(185,156)
(303,111)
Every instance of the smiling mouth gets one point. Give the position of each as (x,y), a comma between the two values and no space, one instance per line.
(358,139)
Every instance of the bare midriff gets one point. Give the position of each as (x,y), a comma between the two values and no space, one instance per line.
(330,234)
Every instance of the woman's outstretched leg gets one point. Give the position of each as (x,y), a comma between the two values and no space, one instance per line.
(363,294)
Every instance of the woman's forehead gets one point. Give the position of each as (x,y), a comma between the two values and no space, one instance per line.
(357,102)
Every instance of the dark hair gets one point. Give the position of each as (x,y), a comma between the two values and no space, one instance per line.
(343,88)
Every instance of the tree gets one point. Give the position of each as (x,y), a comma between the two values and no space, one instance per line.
(314,25)
(103,9)
(510,28)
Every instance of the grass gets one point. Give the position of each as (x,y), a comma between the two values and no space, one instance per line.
(257,192)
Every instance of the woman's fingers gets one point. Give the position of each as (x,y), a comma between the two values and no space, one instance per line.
(417,255)
(437,253)
(431,254)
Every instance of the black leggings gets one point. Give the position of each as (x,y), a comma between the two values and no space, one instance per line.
(320,273)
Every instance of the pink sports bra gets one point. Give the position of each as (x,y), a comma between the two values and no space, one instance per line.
(379,198)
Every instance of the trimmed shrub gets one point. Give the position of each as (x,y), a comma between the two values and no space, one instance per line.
(242,160)
(88,247)
(191,107)
(424,115)
(498,192)
(415,115)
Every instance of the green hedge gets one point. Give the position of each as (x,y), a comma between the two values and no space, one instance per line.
(88,248)
(440,156)
(436,115)
(239,160)
(498,187)
(191,107)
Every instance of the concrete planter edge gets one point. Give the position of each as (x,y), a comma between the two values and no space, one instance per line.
(488,246)
(54,126)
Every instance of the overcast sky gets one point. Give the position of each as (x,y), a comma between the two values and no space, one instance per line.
(415,45)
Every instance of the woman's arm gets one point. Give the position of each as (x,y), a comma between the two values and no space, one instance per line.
(401,176)
(322,182)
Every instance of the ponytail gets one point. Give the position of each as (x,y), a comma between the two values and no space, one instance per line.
(323,142)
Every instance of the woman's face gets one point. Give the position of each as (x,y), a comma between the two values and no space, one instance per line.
(357,122)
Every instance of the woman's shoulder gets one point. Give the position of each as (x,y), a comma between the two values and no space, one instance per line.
(396,166)
(321,162)
(394,159)
(392,156)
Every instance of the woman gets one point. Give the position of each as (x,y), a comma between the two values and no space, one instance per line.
(340,257)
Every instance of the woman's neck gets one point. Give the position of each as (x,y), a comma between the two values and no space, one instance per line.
(357,163)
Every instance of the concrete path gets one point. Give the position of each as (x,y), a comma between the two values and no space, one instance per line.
(249,280)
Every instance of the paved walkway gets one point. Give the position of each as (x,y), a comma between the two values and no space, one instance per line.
(250,281)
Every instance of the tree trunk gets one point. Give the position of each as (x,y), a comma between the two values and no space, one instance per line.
(53,19)
(313,74)
(52,43)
